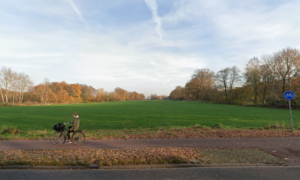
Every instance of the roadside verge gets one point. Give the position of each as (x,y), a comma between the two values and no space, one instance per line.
(131,158)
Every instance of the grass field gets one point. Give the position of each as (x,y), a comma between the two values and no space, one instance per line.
(144,114)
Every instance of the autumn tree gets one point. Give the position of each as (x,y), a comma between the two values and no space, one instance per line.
(130,96)
(100,92)
(142,96)
(38,92)
(241,95)
(52,96)
(112,96)
(76,92)
(204,83)
(296,89)
(190,89)
(122,93)
(177,93)
(154,97)
(57,86)
(88,93)
(62,96)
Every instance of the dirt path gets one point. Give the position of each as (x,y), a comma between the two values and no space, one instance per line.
(284,148)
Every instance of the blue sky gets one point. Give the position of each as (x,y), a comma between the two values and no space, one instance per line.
(148,46)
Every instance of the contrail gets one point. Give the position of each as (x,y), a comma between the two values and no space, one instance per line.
(77,12)
(153,8)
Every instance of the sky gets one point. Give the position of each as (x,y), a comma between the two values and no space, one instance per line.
(147,46)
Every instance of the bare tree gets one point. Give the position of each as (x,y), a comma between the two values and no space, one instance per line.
(6,81)
(227,78)
(269,61)
(235,77)
(14,82)
(252,76)
(265,74)
(287,65)
(222,77)
(1,84)
(24,83)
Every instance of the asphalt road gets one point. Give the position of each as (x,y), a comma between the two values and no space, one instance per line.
(232,173)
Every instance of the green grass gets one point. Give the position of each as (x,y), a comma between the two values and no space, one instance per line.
(144,114)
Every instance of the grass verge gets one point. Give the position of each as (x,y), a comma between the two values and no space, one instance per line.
(162,133)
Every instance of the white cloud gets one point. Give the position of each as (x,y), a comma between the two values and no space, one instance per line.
(152,5)
(196,34)
(71,2)
(153,63)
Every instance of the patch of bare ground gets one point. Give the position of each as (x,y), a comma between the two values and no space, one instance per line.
(237,156)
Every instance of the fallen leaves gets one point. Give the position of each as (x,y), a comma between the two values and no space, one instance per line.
(106,157)
(109,157)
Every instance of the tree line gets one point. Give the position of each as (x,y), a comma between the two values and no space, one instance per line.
(157,97)
(17,88)
(263,82)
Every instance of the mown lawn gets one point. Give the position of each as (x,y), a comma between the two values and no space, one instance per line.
(144,114)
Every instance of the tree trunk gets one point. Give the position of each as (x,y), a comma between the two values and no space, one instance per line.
(6,99)
(264,95)
(225,95)
(273,92)
(22,96)
(283,85)
(13,98)
(255,94)
(2,96)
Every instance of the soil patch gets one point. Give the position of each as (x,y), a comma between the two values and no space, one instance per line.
(236,156)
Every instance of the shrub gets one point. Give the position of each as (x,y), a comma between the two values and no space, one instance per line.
(178,160)
(125,123)
(9,129)
(275,126)
(197,126)
(218,126)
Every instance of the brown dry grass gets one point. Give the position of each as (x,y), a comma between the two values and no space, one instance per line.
(109,157)
(105,157)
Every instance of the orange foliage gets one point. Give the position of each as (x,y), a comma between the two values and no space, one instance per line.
(76,90)
(62,96)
